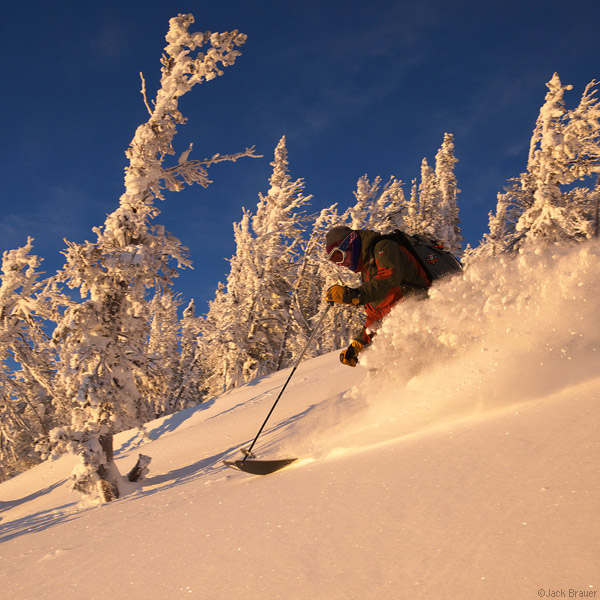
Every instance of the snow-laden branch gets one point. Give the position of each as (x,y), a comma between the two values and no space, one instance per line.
(184,65)
(196,171)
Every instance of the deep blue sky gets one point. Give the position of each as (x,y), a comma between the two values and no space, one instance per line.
(357,87)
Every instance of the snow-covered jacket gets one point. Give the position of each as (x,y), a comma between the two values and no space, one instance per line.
(389,273)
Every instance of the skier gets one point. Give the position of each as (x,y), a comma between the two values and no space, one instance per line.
(389,273)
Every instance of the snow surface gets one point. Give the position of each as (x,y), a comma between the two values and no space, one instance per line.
(460,460)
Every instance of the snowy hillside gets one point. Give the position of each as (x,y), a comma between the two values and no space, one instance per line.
(460,460)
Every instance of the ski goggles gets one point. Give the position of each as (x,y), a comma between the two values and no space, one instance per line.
(337,255)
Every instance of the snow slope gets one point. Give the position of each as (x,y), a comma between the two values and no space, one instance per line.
(460,460)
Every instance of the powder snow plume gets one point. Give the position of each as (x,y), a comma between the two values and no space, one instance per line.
(508,330)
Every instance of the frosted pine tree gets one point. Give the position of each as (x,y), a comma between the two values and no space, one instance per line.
(366,194)
(502,223)
(432,208)
(173,370)
(380,208)
(543,203)
(102,339)
(581,136)
(558,157)
(447,225)
(252,324)
(190,389)
(594,207)
(26,362)
(412,219)
(212,345)
(160,382)
(392,207)
(226,356)
(581,150)
(278,228)
(429,200)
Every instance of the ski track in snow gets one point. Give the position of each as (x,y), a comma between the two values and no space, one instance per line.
(458,461)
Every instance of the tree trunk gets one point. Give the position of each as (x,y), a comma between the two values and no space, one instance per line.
(108,486)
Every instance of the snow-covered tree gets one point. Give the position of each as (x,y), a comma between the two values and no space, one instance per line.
(447,225)
(432,207)
(225,343)
(252,323)
(26,362)
(380,208)
(429,199)
(412,220)
(358,215)
(393,207)
(594,207)
(160,381)
(501,224)
(543,203)
(545,217)
(102,339)
(173,374)
(190,386)
(581,137)
(278,226)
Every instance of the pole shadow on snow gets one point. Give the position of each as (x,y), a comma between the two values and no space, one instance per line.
(247,402)
(172,422)
(169,424)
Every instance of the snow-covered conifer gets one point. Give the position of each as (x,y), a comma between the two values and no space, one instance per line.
(26,361)
(190,387)
(392,207)
(545,215)
(447,224)
(360,213)
(225,355)
(581,136)
(432,208)
(160,381)
(563,149)
(102,340)
(429,199)
(412,220)
(380,208)
(278,228)
(254,318)
(543,203)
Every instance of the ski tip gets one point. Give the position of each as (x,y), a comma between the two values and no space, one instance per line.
(259,467)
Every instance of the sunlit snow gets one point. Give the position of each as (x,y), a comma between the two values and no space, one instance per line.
(459,460)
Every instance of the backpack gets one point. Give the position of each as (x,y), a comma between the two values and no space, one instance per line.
(435,260)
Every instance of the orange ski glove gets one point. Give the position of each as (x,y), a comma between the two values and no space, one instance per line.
(341,294)
(350,355)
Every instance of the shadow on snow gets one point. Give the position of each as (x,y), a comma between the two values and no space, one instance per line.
(39,521)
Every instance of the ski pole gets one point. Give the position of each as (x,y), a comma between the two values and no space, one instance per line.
(247,452)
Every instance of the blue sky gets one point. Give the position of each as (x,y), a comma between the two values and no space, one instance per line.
(356,87)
